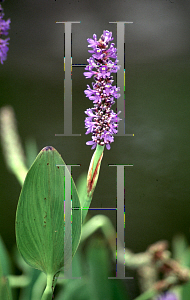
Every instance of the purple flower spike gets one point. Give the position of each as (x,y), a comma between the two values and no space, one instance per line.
(4,27)
(102,122)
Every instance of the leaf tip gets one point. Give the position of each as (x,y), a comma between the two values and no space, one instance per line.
(48,148)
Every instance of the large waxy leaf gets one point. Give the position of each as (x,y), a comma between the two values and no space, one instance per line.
(40,221)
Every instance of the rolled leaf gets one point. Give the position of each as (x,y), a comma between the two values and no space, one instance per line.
(94,169)
(86,184)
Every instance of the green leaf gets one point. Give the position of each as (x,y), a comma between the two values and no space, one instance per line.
(6,293)
(75,289)
(82,191)
(185,289)
(31,151)
(181,253)
(5,269)
(11,144)
(5,290)
(40,221)
(99,268)
(179,246)
(5,259)
(1,276)
(118,290)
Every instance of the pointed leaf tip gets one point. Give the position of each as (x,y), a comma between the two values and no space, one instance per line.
(48,148)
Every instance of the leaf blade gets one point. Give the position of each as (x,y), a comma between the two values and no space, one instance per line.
(40,214)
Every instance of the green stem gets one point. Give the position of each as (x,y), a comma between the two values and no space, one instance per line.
(48,292)
(18,281)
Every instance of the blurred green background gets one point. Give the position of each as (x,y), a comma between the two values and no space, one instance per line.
(157,64)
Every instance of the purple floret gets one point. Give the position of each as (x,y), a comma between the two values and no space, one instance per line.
(167,296)
(102,122)
(4,27)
